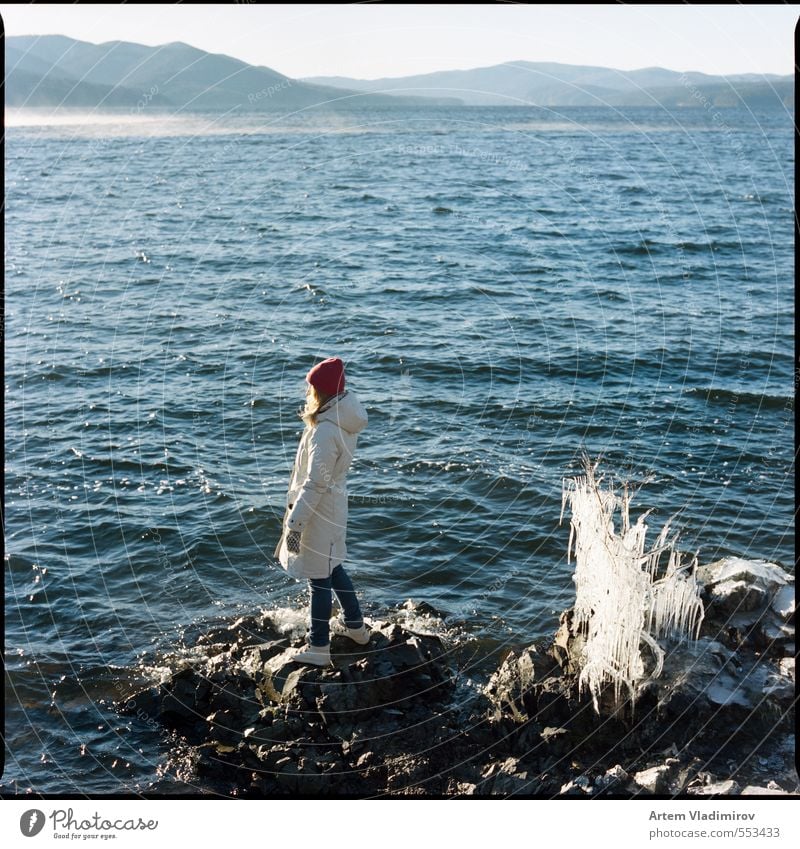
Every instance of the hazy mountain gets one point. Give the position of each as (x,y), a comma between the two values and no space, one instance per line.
(556,84)
(752,95)
(27,62)
(55,70)
(29,82)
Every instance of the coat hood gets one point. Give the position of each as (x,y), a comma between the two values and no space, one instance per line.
(346,411)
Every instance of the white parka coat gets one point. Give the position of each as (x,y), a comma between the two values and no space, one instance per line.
(316,503)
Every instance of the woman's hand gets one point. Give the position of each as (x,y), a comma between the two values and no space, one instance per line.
(293,542)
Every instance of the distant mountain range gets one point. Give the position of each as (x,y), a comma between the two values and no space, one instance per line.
(58,72)
(54,71)
(553,84)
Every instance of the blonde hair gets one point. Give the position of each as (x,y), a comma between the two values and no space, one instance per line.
(314,400)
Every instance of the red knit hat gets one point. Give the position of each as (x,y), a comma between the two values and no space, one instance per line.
(327,376)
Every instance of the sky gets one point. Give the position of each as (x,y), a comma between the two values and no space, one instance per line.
(370,41)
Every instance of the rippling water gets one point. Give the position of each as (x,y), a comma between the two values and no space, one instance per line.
(508,288)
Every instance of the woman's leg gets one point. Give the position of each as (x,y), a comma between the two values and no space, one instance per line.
(320,611)
(343,587)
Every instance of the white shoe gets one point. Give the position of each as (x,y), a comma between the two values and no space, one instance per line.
(315,655)
(357,635)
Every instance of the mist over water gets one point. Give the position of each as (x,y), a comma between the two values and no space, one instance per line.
(508,288)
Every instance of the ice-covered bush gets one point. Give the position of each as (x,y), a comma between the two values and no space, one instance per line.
(622,603)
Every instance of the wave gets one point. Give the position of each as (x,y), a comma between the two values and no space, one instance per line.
(734,398)
(712,245)
(299,214)
(652,246)
(611,295)
(98,463)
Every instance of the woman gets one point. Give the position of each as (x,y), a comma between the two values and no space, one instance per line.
(315,525)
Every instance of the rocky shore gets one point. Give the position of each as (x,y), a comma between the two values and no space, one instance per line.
(398,718)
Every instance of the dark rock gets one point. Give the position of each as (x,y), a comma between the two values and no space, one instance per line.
(579,786)
(749,604)
(223,727)
(337,698)
(461,788)
(556,741)
(510,687)
(567,645)
(226,697)
(263,735)
(505,778)
(719,688)
(394,717)
(553,699)
(612,781)
(422,608)
(413,776)
(177,706)
(405,655)
(654,781)
(254,657)
(273,758)
(711,787)
(144,703)
(775,790)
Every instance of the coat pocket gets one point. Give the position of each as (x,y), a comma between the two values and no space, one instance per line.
(282,539)
(292,563)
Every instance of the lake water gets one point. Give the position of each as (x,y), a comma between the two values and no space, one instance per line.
(508,287)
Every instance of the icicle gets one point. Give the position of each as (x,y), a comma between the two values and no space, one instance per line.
(619,602)
(676,610)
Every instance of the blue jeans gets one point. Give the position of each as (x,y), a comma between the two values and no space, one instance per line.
(322,604)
